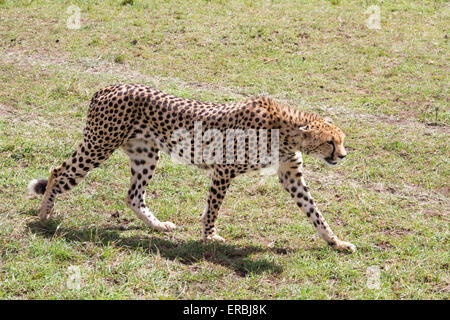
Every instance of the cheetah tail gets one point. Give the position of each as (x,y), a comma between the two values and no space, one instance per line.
(37,187)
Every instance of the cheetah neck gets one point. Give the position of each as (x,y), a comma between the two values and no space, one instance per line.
(289,120)
(289,117)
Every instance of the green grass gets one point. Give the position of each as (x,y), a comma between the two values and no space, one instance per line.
(387,89)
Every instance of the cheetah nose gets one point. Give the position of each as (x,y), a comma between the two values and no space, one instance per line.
(342,156)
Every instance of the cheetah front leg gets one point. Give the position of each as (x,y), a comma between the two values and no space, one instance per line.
(220,181)
(291,177)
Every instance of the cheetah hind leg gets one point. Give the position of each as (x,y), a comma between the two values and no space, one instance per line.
(66,176)
(220,181)
(143,160)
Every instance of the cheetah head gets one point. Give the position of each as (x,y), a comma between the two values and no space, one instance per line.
(323,140)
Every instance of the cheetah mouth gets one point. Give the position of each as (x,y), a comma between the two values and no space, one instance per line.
(329,161)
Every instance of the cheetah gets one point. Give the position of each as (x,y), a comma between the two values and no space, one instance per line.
(143,121)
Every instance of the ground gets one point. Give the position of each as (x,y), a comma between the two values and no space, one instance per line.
(386,88)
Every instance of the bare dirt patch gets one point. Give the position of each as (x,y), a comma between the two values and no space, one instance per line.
(6,110)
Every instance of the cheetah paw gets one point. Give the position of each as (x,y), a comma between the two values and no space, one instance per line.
(346,246)
(213,237)
(166,226)
(44,217)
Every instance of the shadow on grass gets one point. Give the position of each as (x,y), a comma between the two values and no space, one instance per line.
(187,252)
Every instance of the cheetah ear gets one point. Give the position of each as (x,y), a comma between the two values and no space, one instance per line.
(305,131)
(297,131)
(328,120)
(304,128)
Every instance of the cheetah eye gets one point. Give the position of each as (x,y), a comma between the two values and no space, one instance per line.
(330,142)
